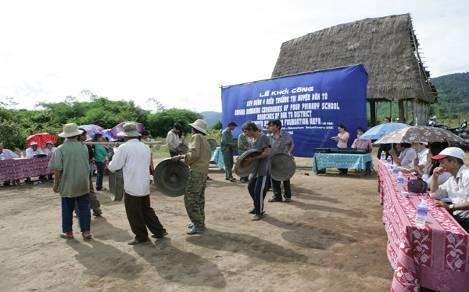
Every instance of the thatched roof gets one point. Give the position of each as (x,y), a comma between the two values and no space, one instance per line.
(387,46)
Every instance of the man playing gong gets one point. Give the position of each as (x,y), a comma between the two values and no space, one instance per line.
(198,158)
(281,142)
(259,181)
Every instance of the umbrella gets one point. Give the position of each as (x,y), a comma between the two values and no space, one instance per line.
(41,139)
(420,134)
(107,134)
(380,130)
(91,130)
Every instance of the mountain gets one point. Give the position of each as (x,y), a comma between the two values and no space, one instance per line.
(453,95)
(211,118)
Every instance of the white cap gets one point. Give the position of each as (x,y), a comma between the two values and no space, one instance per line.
(450,151)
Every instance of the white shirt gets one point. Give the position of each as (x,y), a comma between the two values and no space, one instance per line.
(442,178)
(456,187)
(422,156)
(30,152)
(7,154)
(172,140)
(133,157)
(50,151)
(407,157)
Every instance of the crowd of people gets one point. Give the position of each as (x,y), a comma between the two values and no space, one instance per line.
(71,164)
(30,152)
(439,166)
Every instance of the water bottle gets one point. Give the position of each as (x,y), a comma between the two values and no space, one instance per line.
(383,156)
(389,159)
(421,215)
(400,183)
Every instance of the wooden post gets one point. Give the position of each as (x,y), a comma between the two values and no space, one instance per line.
(390,110)
(401,111)
(421,112)
(372,112)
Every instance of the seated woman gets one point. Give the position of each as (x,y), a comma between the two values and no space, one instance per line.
(363,144)
(420,161)
(406,157)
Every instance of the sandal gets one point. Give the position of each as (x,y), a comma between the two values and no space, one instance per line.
(87,235)
(68,235)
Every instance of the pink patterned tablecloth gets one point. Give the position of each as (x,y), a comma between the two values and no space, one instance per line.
(435,257)
(12,169)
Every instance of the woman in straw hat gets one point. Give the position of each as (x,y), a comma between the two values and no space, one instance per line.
(198,158)
(71,179)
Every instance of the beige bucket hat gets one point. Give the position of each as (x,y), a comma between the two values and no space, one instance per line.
(70,130)
(129,130)
(200,125)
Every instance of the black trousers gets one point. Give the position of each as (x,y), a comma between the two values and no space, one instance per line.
(277,189)
(141,215)
(257,188)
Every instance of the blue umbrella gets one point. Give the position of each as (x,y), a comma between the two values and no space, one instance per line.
(380,130)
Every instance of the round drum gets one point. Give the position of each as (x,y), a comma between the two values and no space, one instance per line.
(171,177)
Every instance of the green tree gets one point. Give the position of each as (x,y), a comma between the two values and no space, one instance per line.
(160,123)
(17,125)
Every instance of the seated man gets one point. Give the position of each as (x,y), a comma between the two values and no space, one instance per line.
(33,150)
(4,155)
(456,188)
(427,172)
(50,148)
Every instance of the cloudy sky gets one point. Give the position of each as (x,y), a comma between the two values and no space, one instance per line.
(181,52)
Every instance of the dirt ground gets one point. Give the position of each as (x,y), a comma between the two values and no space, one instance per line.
(330,238)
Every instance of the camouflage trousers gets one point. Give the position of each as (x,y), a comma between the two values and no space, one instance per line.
(194,198)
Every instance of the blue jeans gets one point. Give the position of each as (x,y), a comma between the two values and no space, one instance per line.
(99,175)
(84,214)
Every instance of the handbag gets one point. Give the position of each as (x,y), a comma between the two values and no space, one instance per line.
(417,185)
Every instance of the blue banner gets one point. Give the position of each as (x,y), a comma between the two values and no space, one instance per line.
(310,105)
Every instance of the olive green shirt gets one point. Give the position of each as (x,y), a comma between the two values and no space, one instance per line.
(226,140)
(198,156)
(72,159)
